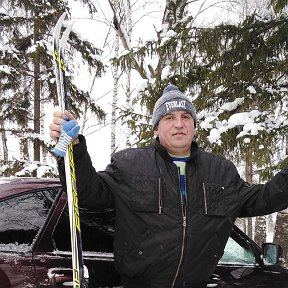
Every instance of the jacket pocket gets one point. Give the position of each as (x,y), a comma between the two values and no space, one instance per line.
(146,195)
(217,199)
(133,258)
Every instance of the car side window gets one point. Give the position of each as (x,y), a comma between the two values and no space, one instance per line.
(22,217)
(235,253)
(97,230)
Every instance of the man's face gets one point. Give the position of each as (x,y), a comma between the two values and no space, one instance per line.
(176,131)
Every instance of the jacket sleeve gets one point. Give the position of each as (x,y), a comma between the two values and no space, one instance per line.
(263,199)
(94,188)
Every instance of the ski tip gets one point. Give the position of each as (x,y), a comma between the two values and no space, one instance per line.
(62,17)
(65,35)
(58,26)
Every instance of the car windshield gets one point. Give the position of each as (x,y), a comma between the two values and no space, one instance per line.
(235,253)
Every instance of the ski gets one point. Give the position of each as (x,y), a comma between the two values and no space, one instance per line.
(59,44)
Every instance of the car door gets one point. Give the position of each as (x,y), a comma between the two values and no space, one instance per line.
(242,266)
(22,218)
(52,255)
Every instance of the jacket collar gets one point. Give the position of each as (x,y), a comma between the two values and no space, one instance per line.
(164,153)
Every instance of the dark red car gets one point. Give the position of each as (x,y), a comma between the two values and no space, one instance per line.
(35,244)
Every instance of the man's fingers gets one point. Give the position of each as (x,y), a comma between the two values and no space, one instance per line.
(69,115)
(58,121)
(54,136)
(55,131)
(60,117)
(58,114)
(55,127)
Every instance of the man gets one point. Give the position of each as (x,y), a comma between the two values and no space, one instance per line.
(175,204)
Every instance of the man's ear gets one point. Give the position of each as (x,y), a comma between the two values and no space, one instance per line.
(156,132)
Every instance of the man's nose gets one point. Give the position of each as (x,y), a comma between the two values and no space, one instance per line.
(178,122)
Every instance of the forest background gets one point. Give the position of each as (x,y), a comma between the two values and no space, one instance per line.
(229,57)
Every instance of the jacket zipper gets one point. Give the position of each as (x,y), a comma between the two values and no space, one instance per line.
(159,196)
(183,208)
(205,198)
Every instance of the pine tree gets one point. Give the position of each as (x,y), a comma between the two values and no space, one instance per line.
(27,75)
(239,65)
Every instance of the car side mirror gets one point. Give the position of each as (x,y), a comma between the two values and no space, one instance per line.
(271,253)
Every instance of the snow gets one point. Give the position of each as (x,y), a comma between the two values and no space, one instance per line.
(167,36)
(15,247)
(42,170)
(124,52)
(6,69)
(251,90)
(230,106)
(165,72)
(243,118)
(246,120)
(31,167)
(214,136)
(170,34)
(142,86)
(207,122)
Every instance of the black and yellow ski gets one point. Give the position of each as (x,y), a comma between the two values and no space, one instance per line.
(59,44)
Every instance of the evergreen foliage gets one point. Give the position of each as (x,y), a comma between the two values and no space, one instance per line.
(26,71)
(244,65)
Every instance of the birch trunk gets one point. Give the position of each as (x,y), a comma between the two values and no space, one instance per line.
(128,82)
(281,234)
(115,98)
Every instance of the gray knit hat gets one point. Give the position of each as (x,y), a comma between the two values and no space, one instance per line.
(171,100)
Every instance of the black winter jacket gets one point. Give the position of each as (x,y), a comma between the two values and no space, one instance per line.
(156,236)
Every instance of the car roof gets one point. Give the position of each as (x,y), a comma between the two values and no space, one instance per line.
(10,186)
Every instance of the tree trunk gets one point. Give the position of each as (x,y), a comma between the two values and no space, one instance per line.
(4,143)
(114,101)
(128,81)
(260,230)
(42,129)
(249,179)
(174,12)
(249,227)
(37,91)
(281,234)
(270,223)
(24,150)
